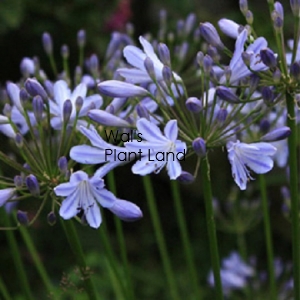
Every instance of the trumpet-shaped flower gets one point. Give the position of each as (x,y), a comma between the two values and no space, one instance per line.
(61,94)
(136,58)
(255,156)
(157,149)
(84,194)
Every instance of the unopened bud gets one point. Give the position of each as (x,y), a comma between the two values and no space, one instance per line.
(277,134)
(193,104)
(81,38)
(268,58)
(267,95)
(19,140)
(67,110)
(34,88)
(226,94)
(199,146)
(32,185)
(164,54)
(47,43)
(22,217)
(65,52)
(142,111)
(51,218)
(185,178)
(38,107)
(149,66)
(63,164)
(210,34)
(126,211)
(18,181)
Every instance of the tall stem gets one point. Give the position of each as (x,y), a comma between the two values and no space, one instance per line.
(3,291)
(211,226)
(75,245)
(268,236)
(185,239)
(293,166)
(160,237)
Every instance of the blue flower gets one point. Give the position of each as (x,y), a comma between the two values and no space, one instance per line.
(136,57)
(84,194)
(61,94)
(6,194)
(255,156)
(158,150)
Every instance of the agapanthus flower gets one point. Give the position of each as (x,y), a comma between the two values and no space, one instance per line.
(6,194)
(157,149)
(237,65)
(62,93)
(84,194)
(136,58)
(255,156)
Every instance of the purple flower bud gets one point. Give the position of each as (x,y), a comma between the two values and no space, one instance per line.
(62,164)
(78,103)
(189,23)
(7,110)
(222,115)
(27,67)
(277,75)
(32,185)
(295,6)
(6,194)
(193,104)
(243,6)
(81,38)
(18,181)
(67,110)
(210,34)
(276,134)
(22,217)
(49,87)
(105,118)
(24,96)
(117,104)
(267,95)
(200,58)
(295,70)
(34,88)
(207,63)
(64,51)
(94,63)
(47,43)
(185,178)
(51,218)
(115,88)
(249,17)
(38,107)
(19,140)
(126,211)
(149,66)
(279,9)
(199,146)
(197,35)
(167,75)
(277,20)
(253,82)
(264,125)
(213,53)
(268,58)
(142,111)
(164,54)
(183,50)
(226,94)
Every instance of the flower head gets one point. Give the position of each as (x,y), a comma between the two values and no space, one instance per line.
(158,150)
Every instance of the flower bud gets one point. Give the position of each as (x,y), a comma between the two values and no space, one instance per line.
(199,146)
(32,185)
(126,211)
(253,82)
(249,17)
(78,103)
(38,107)
(210,34)
(64,51)
(193,104)
(279,9)
(207,63)
(277,21)
(62,164)
(226,94)
(295,71)
(49,88)
(142,111)
(18,181)
(180,28)
(81,38)
(27,67)
(19,140)
(167,75)
(105,118)
(6,194)
(22,217)
(213,53)
(264,125)
(149,66)
(268,58)
(277,134)
(243,6)
(94,64)
(47,43)
(185,178)
(7,110)
(67,110)
(51,218)
(164,54)
(267,95)
(189,23)
(24,96)
(222,115)
(34,88)
(277,76)
(200,58)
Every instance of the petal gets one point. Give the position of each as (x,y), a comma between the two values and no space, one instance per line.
(95,100)
(171,130)
(126,211)
(80,91)
(65,189)
(174,169)
(61,93)
(134,75)
(13,92)
(105,118)
(86,154)
(135,57)
(149,131)
(69,206)
(104,197)
(145,166)
(78,176)
(93,215)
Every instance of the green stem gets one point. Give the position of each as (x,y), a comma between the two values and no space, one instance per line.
(185,239)
(120,235)
(293,175)
(15,254)
(75,245)
(4,291)
(268,236)
(36,259)
(160,237)
(211,226)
